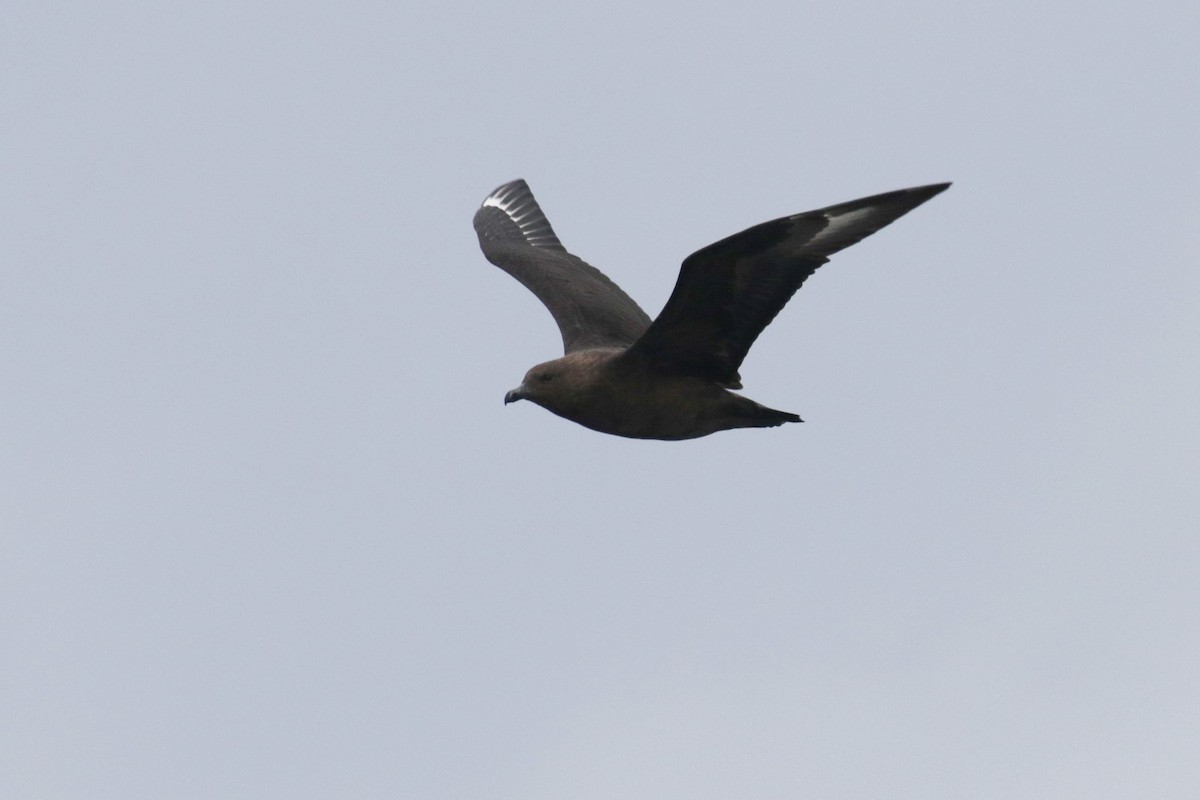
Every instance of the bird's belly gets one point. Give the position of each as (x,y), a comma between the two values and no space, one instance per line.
(682,408)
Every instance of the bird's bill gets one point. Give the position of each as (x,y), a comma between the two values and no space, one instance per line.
(515,395)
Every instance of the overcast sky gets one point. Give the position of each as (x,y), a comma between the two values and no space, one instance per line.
(268,531)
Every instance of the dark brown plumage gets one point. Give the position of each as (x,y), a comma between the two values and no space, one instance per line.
(670,378)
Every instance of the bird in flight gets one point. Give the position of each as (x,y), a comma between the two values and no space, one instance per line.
(670,378)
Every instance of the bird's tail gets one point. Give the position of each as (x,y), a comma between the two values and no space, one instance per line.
(754,415)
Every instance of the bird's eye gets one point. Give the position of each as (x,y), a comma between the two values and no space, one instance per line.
(545,377)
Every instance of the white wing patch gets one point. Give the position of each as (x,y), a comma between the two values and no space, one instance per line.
(517,202)
(838,224)
(497,201)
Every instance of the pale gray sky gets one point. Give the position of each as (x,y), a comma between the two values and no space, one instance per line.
(268,530)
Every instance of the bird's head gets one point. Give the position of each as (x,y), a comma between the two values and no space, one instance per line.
(566,385)
(542,384)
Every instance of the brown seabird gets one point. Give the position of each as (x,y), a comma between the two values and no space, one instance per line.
(669,378)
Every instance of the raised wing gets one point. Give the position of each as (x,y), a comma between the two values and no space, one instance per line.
(728,292)
(591,310)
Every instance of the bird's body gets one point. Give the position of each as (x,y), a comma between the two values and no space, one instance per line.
(612,391)
(669,378)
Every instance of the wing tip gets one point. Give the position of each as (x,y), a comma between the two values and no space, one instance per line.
(930,190)
(504,194)
(913,196)
(516,201)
